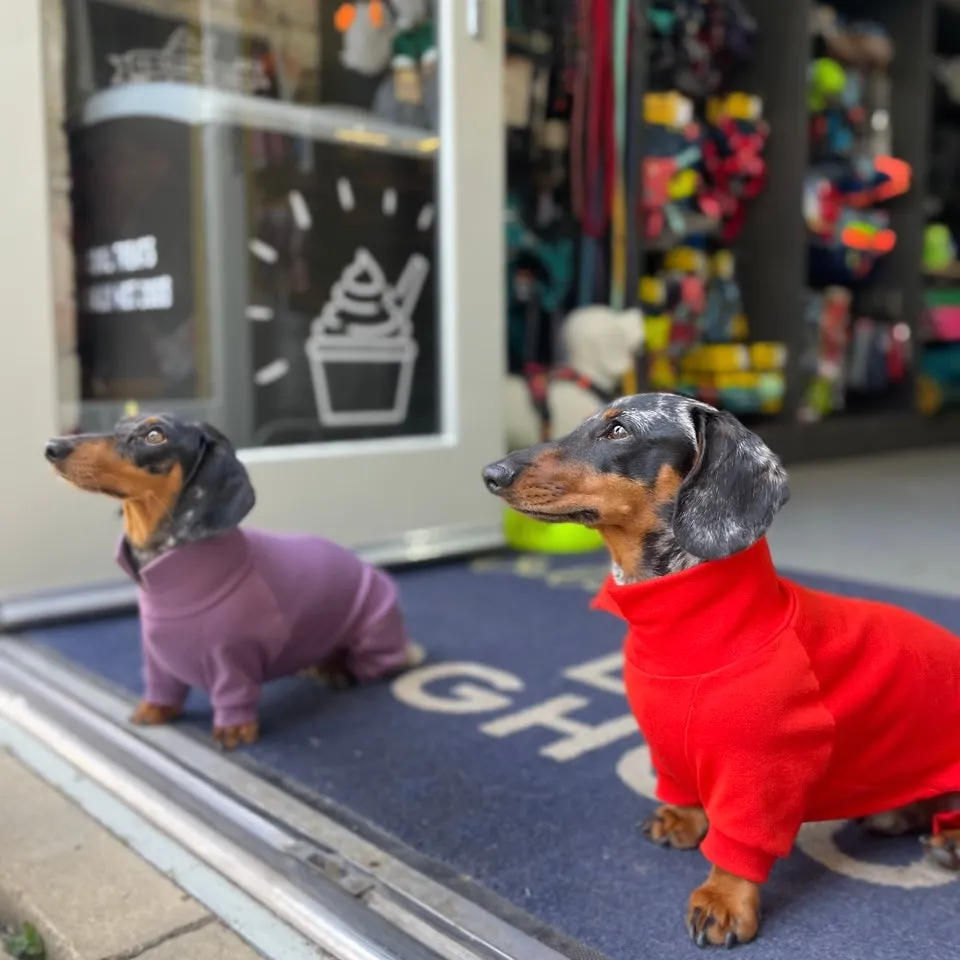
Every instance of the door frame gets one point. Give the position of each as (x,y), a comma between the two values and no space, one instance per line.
(420,498)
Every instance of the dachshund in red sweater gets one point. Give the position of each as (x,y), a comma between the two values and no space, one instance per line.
(764,704)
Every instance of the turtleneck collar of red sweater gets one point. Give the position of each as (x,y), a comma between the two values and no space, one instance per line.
(703,618)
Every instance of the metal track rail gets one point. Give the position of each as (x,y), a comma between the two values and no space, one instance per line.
(345,894)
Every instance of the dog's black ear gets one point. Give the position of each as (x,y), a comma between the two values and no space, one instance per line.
(217,493)
(733,491)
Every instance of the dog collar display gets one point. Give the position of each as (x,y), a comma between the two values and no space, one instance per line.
(569,375)
(703,618)
(538,379)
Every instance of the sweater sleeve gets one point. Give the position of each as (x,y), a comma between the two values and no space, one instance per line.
(668,790)
(236,675)
(759,740)
(160,687)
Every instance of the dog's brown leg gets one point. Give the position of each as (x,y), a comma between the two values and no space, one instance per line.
(153,714)
(724,911)
(333,672)
(679,827)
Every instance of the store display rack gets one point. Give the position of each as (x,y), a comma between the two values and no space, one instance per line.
(772,250)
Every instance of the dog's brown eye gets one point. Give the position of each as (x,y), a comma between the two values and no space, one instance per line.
(155,436)
(615,431)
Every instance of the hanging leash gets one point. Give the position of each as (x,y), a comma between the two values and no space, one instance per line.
(620,54)
(581,93)
(600,161)
(634,155)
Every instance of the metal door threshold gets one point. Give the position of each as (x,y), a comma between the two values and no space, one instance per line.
(352,898)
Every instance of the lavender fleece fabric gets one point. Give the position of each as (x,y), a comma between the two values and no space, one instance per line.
(231,613)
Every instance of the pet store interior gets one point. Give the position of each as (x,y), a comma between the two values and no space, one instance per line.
(378,245)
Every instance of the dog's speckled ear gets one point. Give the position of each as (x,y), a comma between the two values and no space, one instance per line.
(733,491)
(217,493)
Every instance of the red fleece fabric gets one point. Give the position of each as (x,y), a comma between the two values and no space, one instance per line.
(769,704)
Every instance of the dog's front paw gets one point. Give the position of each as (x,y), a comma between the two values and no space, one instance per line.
(679,827)
(231,737)
(723,912)
(153,714)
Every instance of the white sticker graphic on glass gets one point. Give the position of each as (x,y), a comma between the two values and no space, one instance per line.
(365,330)
(186,58)
(272,372)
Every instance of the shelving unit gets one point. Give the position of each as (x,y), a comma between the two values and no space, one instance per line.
(773,248)
(771,253)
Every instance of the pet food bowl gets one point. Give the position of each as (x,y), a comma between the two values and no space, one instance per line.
(534,536)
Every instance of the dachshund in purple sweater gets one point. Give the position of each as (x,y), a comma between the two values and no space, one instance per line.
(225,609)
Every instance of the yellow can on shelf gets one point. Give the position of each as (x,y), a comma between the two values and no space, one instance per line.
(716,358)
(670,109)
(741,380)
(652,290)
(662,374)
(768,355)
(740,327)
(686,260)
(657,332)
(737,106)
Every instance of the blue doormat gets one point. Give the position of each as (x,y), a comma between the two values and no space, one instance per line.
(457,765)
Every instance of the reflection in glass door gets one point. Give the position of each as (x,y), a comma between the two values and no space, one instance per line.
(256,226)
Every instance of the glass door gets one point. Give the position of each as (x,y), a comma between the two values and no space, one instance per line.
(286,220)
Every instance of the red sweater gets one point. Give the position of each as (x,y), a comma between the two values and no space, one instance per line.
(769,704)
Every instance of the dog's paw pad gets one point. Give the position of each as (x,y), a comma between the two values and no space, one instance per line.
(231,737)
(716,919)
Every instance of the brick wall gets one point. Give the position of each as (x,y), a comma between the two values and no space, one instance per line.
(60,214)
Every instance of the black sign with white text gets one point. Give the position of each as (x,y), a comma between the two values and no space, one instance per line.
(138,322)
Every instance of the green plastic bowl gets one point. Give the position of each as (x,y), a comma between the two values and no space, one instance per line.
(527,535)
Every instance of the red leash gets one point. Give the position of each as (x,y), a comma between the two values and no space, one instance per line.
(601,155)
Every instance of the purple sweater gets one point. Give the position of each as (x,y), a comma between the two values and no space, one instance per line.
(228,614)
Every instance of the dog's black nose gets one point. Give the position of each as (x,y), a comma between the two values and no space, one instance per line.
(57,450)
(498,476)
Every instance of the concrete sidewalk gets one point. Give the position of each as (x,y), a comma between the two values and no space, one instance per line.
(88,894)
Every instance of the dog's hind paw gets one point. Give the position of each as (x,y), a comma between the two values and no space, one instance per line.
(416,655)
(944,849)
(681,828)
(231,737)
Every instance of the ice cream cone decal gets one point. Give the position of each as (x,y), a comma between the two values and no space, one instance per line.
(362,304)
(366,324)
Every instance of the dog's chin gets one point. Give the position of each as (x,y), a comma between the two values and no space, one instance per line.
(586,517)
(90,487)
